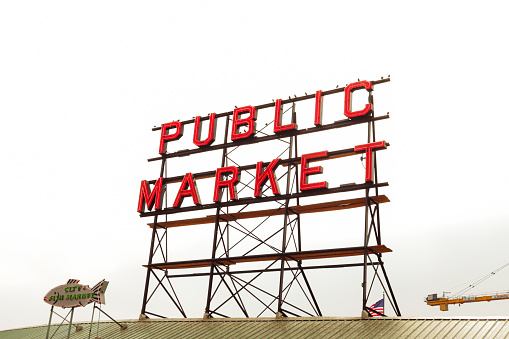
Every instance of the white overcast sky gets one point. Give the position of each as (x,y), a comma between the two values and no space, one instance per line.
(83,82)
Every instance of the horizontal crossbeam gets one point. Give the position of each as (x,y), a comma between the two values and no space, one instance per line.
(289,256)
(285,134)
(284,162)
(276,270)
(302,209)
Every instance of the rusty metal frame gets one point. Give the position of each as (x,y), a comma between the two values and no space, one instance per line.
(291,271)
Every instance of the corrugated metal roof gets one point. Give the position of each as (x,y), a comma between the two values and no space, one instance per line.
(318,327)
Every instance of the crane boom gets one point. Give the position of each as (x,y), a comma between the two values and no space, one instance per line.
(433,300)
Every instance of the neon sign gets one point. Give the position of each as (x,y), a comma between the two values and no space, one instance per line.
(172,131)
(243,234)
(73,294)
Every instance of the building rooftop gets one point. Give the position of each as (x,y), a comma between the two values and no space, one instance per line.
(316,327)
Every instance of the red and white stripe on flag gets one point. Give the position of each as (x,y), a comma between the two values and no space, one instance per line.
(378,306)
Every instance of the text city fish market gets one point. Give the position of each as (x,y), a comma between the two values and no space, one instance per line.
(188,187)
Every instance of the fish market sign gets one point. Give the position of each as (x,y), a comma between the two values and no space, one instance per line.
(73,294)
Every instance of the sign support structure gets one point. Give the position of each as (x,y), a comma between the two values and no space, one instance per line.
(71,313)
(232,290)
(49,322)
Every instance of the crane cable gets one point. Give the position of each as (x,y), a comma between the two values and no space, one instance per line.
(479,281)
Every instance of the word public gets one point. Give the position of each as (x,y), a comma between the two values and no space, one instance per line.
(250,121)
(228,177)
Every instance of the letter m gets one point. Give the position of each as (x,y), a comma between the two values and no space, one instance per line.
(150,198)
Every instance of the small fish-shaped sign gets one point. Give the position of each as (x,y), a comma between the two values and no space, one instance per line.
(73,294)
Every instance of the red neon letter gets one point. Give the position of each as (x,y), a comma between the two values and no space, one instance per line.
(197,131)
(348,101)
(150,198)
(250,121)
(305,171)
(261,177)
(318,108)
(230,183)
(167,137)
(277,120)
(191,191)
(369,155)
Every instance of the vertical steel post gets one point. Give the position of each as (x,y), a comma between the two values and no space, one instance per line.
(147,279)
(91,322)
(151,254)
(299,237)
(285,226)
(366,231)
(383,302)
(216,226)
(365,266)
(70,323)
(49,322)
(372,123)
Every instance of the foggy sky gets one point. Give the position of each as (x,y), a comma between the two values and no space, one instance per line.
(83,83)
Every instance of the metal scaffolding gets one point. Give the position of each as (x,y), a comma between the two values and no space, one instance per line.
(280,254)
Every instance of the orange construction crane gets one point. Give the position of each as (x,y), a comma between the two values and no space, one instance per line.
(461,298)
(433,300)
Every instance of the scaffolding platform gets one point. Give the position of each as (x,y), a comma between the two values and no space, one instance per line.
(301,209)
(290,256)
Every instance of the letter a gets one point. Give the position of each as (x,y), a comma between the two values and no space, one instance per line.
(191,191)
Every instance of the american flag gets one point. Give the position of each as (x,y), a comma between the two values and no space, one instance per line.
(378,306)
